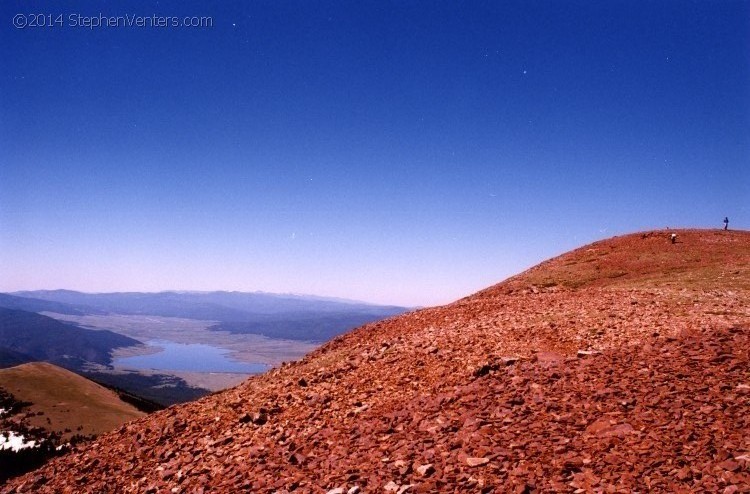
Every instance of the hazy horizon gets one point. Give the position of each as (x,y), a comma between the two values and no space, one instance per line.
(178,291)
(401,154)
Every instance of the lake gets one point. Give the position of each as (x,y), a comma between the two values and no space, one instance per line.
(193,357)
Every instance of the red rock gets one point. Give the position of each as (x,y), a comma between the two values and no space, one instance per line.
(260,418)
(730,465)
(391,486)
(476,462)
(605,428)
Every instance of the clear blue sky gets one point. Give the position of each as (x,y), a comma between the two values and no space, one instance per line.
(399,152)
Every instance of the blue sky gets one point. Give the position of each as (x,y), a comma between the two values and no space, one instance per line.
(398,152)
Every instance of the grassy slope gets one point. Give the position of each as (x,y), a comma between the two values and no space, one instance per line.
(67,399)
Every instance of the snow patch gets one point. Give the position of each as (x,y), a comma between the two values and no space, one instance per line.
(15,442)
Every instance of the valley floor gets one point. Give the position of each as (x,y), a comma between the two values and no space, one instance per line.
(247,348)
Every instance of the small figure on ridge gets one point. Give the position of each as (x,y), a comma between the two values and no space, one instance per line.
(726,222)
(673,237)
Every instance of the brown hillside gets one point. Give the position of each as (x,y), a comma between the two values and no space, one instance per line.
(699,259)
(622,366)
(68,400)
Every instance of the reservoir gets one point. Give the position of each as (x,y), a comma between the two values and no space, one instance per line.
(193,357)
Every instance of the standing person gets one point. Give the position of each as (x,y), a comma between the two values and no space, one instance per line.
(726,222)
(673,237)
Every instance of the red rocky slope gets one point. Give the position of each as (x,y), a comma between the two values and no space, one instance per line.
(619,367)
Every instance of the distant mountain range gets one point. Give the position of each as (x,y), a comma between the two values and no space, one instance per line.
(285,316)
(213,306)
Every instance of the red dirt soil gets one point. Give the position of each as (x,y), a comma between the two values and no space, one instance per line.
(622,366)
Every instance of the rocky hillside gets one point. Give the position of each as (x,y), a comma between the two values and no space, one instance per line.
(621,366)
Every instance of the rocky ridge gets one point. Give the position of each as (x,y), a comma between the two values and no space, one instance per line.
(622,366)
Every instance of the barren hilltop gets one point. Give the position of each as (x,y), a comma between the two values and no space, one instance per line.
(621,366)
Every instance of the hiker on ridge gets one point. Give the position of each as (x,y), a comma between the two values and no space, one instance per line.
(726,222)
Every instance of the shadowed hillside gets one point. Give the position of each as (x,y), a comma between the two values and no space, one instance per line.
(44,338)
(621,366)
(35,305)
(295,317)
